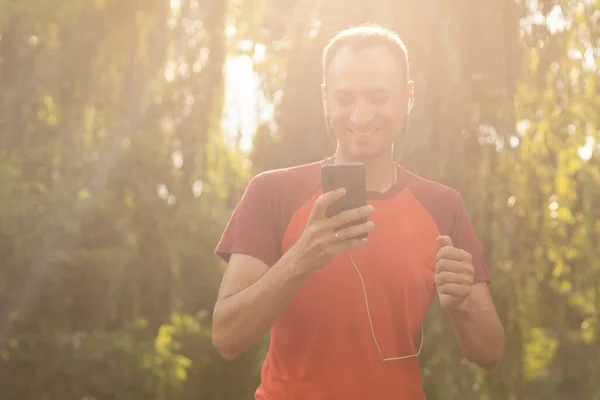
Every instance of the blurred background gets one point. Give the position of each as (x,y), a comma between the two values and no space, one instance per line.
(129,129)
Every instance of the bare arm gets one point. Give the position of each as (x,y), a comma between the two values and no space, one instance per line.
(476,324)
(251,297)
(478,329)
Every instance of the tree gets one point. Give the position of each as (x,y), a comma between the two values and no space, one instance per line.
(115,186)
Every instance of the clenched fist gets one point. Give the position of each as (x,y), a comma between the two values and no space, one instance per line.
(454,274)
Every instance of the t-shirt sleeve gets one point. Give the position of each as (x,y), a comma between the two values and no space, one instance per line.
(463,237)
(252,228)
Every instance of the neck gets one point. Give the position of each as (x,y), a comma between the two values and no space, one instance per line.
(379,171)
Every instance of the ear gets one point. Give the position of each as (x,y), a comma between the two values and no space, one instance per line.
(410,88)
(324,96)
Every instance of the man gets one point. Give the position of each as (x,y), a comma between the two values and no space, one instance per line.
(343,327)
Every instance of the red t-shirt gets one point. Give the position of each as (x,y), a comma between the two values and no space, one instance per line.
(321,345)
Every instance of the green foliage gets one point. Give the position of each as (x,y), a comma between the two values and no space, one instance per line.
(115,186)
(124,363)
(114,365)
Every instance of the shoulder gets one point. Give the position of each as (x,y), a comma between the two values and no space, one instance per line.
(287,181)
(279,193)
(260,218)
(431,191)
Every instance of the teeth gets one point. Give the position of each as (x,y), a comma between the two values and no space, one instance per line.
(362,133)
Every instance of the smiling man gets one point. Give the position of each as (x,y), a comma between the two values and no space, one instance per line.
(289,272)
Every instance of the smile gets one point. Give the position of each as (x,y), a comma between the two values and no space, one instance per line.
(363,133)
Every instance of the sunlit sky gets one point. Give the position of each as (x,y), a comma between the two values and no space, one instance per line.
(245,107)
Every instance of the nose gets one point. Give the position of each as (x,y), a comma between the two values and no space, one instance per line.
(361,113)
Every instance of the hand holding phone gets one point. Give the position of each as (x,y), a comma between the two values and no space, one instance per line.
(338,221)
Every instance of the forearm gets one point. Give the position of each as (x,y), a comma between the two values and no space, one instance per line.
(479,332)
(242,319)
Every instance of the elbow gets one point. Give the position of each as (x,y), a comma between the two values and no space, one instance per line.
(225,351)
(491,364)
(228,355)
(497,357)
(491,361)
(222,346)
(498,352)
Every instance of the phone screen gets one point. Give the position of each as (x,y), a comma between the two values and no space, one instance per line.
(350,176)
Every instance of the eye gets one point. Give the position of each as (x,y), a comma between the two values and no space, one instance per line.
(379,99)
(343,100)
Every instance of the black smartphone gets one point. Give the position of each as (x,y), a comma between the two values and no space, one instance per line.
(350,176)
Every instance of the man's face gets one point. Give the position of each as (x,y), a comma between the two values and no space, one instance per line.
(366,99)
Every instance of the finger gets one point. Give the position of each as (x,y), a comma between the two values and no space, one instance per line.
(355,230)
(445,278)
(454,290)
(455,267)
(444,241)
(348,216)
(325,200)
(452,253)
(350,244)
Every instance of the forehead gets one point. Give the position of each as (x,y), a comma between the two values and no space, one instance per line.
(368,68)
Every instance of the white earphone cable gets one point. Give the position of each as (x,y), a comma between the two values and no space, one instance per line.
(371,322)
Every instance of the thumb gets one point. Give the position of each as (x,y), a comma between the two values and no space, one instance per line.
(444,241)
(325,200)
